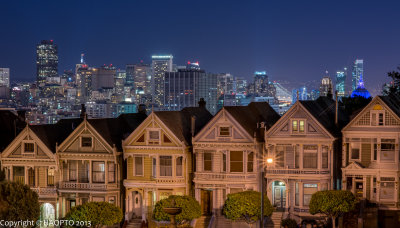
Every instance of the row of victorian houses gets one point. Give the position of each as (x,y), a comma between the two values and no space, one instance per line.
(135,160)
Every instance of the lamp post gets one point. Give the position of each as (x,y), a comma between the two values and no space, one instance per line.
(269,161)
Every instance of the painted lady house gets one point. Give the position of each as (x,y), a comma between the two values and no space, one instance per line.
(227,153)
(305,147)
(159,158)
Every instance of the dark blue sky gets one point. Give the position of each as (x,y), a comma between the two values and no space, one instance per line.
(294,40)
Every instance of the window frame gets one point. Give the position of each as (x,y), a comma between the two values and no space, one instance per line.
(210,160)
(23,151)
(309,151)
(298,126)
(93,172)
(81,142)
(150,141)
(381,151)
(181,166)
(134,166)
(375,120)
(109,171)
(172,166)
(230,161)
(358,143)
(229,131)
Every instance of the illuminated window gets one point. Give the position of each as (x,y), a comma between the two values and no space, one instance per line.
(295,126)
(301,125)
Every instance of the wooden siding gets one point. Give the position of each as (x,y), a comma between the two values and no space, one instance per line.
(42,177)
(365,154)
(147,169)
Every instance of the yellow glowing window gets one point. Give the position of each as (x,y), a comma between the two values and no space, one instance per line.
(301,125)
(295,126)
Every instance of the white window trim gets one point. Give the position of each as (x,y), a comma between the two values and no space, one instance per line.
(148,140)
(159,166)
(182,166)
(80,141)
(134,166)
(379,151)
(230,131)
(23,147)
(377,112)
(212,163)
(244,155)
(318,156)
(350,152)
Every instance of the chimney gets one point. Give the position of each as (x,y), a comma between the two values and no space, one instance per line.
(193,125)
(21,115)
(83,111)
(336,108)
(202,103)
(142,109)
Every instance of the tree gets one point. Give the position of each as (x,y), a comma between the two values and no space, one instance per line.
(332,203)
(246,206)
(18,202)
(98,213)
(190,209)
(392,88)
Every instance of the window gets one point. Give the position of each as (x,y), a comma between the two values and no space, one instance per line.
(236,161)
(165,166)
(377,118)
(179,166)
(207,161)
(308,190)
(250,162)
(295,126)
(387,150)
(111,172)
(111,199)
(154,171)
(73,168)
(310,156)
(324,157)
(387,190)
(31,177)
(154,137)
(83,172)
(375,153)
(138,166)
(355,151)
(380,119)
(98,172)
(296,157)
(50,177)
(296,196)
(224,132)
(301,126)
(19,174)
(86,141)
(29,147)
(280,156)
(224,162)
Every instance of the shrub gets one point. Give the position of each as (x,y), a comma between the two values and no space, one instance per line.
(190,209)
(289,223)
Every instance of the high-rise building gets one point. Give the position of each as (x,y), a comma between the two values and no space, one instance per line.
(241,85)
(299,94)
(103,77)
(130,71)
(325,88)
(142,83)
(84,78)
(341,82)
(226,84)
(5,77)
(262,86)
(185,88)
(358,69)
(160,65)
(46,61)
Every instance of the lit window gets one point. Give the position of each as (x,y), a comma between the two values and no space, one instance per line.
(166,166)
(301,126)
(294,126)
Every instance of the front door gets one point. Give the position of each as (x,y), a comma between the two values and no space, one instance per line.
(279,190)
(359,189)
(206,202)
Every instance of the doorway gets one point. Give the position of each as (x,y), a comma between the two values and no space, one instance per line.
(279,194)
(206,202)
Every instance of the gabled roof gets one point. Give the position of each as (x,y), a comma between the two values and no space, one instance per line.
(11,125)
(179,122)
(393,102)
(255,112)
(323,110)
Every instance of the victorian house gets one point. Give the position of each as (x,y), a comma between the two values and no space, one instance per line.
(305,147)
(370,158)
(228,153)
(159,158)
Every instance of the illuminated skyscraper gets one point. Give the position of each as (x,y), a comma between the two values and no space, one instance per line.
(160,65)
(325,88)
(358,69)
(341,82)
(130,71)
(262,86)
(46,61)
(142,83)
(5,77)
(225,84)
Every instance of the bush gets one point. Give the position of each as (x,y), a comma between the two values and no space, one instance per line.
(98,213)
(190,209)
(246,206)
(289,223)
(18,202)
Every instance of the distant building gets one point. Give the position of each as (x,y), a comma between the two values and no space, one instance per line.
(262,86)
(46,61)
(5,77)
(241,85)
(84,76)
(130,72)
(360,91)
(314,94)
(160,65)
(341,82)
(226,84)
(185,88)
(358,70)
(325,88)
(142,82)
(282,94)
(299,94)
(103,77)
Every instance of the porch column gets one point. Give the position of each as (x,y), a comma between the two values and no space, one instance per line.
(11,173)
(106,172)
(90,171)
(301,192)
(36,176)
(26,174)
(127,210)
(145,205)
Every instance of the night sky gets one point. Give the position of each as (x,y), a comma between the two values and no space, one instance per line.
(291,40)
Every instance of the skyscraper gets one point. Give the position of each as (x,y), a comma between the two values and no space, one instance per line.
(185,88)
(46,61)
(262,86)
(142,83)
(160,65)
(325,88)
(5,77)
(358,69)
(341,82)
(130,71)
(225,84)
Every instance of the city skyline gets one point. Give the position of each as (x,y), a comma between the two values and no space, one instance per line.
(263,38)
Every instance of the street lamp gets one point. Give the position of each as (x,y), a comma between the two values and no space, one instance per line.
(269,161)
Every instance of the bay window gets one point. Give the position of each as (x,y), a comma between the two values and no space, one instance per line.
(308,190)
(387,150)
(179,166)
(236,161)
(98,172)
(310,156)
(166,166)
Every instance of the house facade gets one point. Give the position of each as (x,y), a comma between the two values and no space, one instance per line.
(159,158)
(227,152)
(304,145)
(370,159)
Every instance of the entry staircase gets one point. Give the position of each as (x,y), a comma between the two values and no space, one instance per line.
(135,222)
(275,220)
(203,222)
